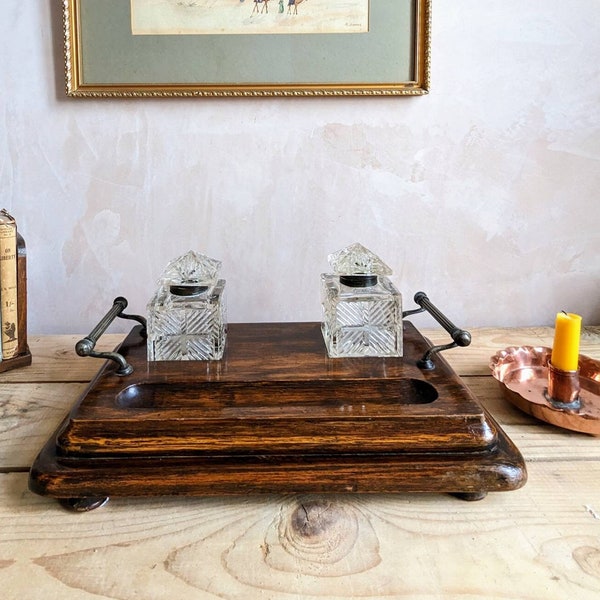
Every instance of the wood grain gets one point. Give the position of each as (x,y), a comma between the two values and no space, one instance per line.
(540,542)
(474,359)
(54,360)
(535,439)
(54,357)
(29,413)
(277,415)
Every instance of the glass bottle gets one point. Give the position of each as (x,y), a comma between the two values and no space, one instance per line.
(187,316)
(9,313)
(362,309)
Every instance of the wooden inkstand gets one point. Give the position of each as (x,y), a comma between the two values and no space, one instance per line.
(275,415)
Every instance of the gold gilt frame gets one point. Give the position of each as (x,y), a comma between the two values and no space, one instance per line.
(104,59)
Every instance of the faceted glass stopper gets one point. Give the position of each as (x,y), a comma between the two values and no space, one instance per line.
(191,273)
(357,266)
(357,260)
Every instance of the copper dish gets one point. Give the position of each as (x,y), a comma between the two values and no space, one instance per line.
(523,376)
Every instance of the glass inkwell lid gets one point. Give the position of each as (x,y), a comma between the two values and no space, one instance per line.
(362,309)
(187,314)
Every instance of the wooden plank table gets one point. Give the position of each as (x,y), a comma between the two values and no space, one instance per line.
(542,541)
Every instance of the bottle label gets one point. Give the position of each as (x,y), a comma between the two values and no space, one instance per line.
(8,286)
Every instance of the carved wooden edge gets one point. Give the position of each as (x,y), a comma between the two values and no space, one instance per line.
(501,470)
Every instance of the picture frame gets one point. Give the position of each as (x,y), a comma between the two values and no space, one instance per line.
(104,57)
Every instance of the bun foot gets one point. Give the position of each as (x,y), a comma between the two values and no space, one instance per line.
(83,504)
(470,496)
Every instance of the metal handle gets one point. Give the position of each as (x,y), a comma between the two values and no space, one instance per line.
(459,336)
(85,347)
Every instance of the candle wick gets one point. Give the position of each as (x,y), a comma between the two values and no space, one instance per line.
(564,312)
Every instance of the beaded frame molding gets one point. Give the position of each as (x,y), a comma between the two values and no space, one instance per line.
(81,85)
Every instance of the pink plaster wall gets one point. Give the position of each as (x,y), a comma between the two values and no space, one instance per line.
(485,193)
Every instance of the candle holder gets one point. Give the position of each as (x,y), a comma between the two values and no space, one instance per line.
(567,399)
(563,388)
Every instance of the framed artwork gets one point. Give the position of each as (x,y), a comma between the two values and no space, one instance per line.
(216,48)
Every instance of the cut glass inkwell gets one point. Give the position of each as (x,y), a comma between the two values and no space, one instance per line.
(187,316)
(362,309)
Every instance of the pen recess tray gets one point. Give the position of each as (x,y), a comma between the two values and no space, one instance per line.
(277,415)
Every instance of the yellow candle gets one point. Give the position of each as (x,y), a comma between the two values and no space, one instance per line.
(565,352)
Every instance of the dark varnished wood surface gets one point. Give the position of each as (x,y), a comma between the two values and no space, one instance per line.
(277,415)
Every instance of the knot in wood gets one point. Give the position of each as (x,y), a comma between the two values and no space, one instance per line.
(316,518)
(588,559)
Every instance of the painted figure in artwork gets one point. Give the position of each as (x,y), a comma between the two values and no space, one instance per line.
(264,6)
(235,17)
(293,3)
